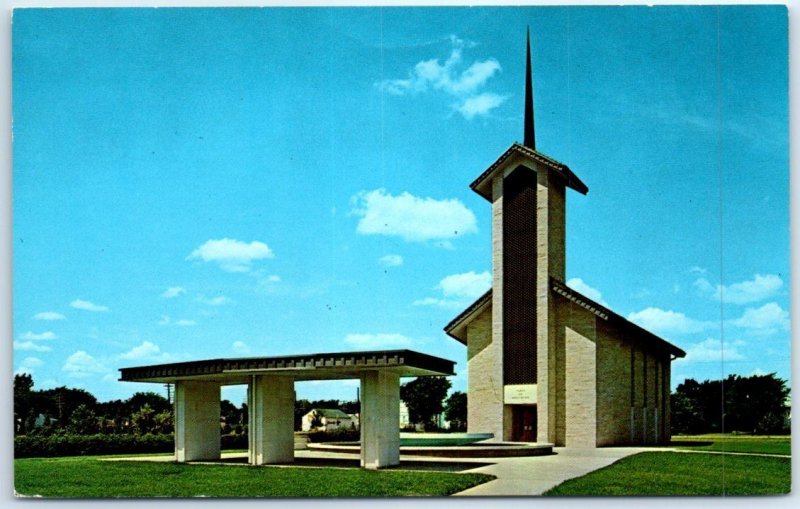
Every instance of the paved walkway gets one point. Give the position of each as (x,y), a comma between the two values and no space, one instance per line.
(536,474)
(521,476)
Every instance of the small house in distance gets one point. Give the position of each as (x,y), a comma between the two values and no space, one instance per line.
(326,419)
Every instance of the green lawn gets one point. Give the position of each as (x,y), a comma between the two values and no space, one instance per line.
(91,478)
(735,443)
(675,473)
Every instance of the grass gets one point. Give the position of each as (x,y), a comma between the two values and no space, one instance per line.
(82,477)
(735,443)
(674,473)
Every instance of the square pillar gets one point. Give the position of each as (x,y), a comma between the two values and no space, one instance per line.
(380,419)
(270,403)
(197,430)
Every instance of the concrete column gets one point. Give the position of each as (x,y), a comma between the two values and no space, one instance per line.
(270,404)
(197,430)
(380,419)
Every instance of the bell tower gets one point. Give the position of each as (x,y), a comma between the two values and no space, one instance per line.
(527,192)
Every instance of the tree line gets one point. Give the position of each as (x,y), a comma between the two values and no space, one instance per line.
(756,404)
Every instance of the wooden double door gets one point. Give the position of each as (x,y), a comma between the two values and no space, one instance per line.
(523,423)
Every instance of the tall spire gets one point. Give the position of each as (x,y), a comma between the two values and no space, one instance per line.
(530,136)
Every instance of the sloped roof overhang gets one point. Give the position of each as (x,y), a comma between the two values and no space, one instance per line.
(483,184)
(457,328)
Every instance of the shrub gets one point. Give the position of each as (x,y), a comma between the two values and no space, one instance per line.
(339,435)
(62,444)
(234,441)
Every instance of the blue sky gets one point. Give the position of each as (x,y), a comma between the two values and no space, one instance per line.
(196,183)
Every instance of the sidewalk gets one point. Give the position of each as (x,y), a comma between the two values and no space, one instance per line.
(535,475)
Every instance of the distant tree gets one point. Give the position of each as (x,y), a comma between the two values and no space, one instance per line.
(143,420)
(155,401)
(230,414)
(83,421)
(753,404)
(61,402)
(163,422)
(455,411)
(350,407)
(23,386)
(424,398)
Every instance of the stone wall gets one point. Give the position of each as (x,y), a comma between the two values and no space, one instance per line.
(485,384)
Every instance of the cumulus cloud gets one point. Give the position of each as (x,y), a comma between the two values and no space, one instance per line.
(81,365)
(662,321)
(469,284)
(411,218)
(713,350)
(31,336)
(173,291)
(480,104)
(759,288)
(579,285)
(145,351)
(369,341)
(240,347)
(458,290)
(49,316)
(85,305)
(30,346)
(391,260)
(453,79)
(232,255)
(768,319)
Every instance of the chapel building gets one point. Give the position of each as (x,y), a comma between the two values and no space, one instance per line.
(546,363)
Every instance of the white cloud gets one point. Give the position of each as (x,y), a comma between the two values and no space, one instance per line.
(30,346)
(713,350)
(173,291)
(273,278)
(412,218)
(662,321)
(697,270)
(81,365)
(240,347)
(768,319)
(32,362)
(450,79)
(232,255)
(88,306)
(31,336)
(219,300)
(469,284)
(480,104)
(23,370)
(579,285)
(145,351)
(49,316)
(370,341)
(458,290)
(754,290)
(391,260)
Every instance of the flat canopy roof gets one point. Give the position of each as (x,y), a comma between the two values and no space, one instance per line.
(316,366)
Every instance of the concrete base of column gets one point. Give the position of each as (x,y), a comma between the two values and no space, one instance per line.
(197,430)
(270,403)
(380,419)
